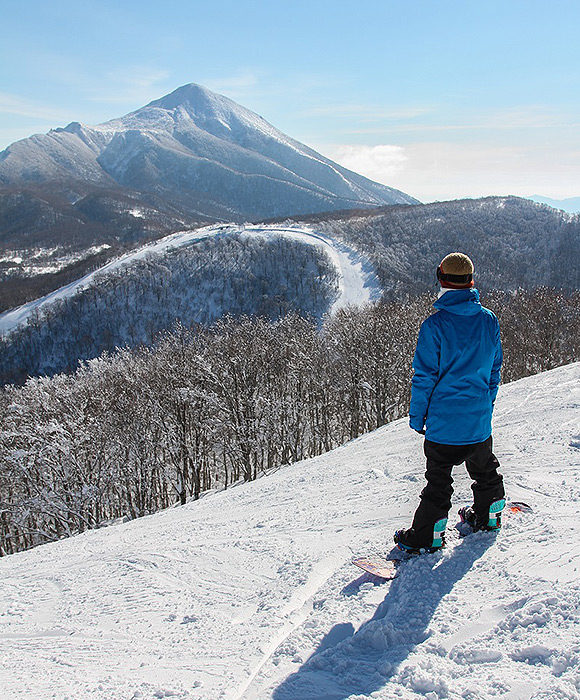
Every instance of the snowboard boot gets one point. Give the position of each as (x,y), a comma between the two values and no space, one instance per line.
(404,539)
(490,524)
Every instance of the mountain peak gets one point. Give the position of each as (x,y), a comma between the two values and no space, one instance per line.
(204,150)
(197,100)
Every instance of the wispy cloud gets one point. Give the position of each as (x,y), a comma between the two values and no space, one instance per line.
(527,117)
(367,113)
(138,84)
(240,82)
(22,107)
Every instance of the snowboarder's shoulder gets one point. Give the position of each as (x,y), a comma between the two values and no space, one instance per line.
(434,320)
(489,313)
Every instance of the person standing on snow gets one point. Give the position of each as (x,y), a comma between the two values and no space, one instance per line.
(457,371)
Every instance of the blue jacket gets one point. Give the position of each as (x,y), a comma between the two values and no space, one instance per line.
(457,371)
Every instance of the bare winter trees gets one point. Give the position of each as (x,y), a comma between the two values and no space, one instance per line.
(141,430)
(540,329)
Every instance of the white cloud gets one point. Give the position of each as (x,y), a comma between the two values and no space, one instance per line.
(378,163)
(439,170)
(443,170)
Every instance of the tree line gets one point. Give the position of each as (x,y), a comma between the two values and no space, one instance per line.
(252,276)
(513,241)
(135,431)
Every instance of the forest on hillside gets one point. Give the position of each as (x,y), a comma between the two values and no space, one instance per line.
(514,243)
(195,284)
(139,430)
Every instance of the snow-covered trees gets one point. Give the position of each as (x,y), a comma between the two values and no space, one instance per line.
(258,276)
(139,430)
(513,242)
(540,329)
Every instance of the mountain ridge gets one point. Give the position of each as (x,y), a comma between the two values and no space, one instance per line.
(398,247)
(569,204)
(196,143)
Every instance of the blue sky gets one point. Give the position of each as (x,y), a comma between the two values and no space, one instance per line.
(439,98)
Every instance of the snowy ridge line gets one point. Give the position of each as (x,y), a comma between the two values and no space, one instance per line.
(357,282)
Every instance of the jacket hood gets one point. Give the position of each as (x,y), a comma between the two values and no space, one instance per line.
(463,302)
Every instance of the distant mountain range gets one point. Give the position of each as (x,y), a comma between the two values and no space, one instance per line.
(571,204)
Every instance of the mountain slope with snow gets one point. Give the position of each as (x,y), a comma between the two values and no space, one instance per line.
(200,150)
(191,277)
(356,282)
(249,594)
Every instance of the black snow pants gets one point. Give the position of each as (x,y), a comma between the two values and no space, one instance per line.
(435,503)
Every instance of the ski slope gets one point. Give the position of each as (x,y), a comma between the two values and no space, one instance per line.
(357,282)
(249,594)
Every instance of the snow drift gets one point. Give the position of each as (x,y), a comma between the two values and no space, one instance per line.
(249,594)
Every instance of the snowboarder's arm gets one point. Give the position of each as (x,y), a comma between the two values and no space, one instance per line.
(426,366)
(495,370)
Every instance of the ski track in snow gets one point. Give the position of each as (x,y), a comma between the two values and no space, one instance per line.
(249,594)
(357,282)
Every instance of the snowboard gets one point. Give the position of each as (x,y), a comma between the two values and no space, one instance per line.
(517,507)
(377,565)
(386,568)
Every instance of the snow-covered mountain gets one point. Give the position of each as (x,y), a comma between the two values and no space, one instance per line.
(249,594)
(200,150)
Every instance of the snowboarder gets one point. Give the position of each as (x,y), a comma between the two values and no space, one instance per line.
(456,376)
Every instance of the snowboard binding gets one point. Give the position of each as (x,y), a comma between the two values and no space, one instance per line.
(403,539)
(490,524)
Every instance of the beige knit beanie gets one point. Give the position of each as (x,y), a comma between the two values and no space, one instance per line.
(456,271)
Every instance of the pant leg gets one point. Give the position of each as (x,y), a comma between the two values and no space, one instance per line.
(487,487)
(436,496)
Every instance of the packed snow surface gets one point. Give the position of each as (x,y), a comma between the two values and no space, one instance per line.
(357,282)
(250,594)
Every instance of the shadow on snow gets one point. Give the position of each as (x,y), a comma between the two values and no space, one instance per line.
(348,662)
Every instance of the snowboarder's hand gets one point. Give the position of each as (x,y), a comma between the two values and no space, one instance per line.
(417,424)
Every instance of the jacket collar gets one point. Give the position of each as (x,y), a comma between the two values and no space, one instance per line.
(463,302)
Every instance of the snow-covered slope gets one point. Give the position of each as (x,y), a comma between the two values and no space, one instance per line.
(249,594)
(201,149)
(357,282)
